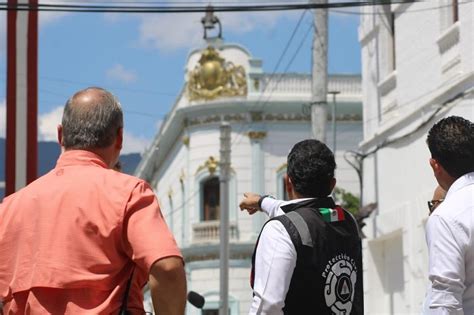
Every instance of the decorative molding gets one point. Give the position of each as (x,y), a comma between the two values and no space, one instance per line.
(256,116)
(211,164)
(449,38)
(257,135)
(388,84)
(451,64)
(182,177)
(212,119)
(215,77)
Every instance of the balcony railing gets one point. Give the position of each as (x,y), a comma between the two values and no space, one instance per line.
(301,84)
(208,232)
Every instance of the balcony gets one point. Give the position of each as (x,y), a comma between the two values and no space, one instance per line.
(208,232)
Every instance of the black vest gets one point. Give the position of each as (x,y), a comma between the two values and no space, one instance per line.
(327,278)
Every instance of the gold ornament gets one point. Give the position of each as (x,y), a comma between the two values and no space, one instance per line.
(214,77)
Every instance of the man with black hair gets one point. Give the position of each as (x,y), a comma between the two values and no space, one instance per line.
(308,258)
(449,231)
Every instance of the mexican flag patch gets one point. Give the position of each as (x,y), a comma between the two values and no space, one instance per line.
(332,215)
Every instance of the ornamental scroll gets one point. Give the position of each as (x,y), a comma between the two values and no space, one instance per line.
(214,77)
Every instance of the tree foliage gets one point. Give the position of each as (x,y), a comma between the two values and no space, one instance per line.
(347,200)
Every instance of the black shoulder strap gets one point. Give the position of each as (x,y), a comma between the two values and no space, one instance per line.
(123,308)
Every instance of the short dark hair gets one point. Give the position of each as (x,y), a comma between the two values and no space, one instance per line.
(451,143)
(311,168)
(93,126)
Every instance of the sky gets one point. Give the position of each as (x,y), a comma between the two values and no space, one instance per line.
(141,58)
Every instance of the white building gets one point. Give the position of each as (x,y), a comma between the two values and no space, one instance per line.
(417,67)
(268,114)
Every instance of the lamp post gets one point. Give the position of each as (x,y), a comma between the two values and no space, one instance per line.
(209,21)
(333,119)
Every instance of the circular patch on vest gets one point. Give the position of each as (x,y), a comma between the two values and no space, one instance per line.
(341,276)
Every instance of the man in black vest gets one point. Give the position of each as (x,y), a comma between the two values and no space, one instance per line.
(308,257)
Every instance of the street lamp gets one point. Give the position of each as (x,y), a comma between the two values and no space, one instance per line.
(333,119)
(209,21)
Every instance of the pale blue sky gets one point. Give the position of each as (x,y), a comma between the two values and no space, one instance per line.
(140,58)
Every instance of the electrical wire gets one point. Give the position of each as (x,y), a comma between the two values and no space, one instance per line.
(275,69)
(90,8)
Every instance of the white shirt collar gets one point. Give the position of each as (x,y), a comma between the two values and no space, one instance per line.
(463,181)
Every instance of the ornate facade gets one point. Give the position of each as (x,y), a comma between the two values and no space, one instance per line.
(267,114)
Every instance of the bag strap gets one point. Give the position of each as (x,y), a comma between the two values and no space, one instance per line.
(123,308)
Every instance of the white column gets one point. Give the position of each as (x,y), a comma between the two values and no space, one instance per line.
(258,175)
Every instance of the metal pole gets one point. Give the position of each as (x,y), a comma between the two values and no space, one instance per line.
(333,119)
(319,73)
(224,217)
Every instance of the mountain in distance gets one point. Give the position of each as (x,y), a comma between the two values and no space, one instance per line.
(48,153)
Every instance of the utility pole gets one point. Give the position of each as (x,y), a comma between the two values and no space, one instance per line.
(333,119)
(319,85)
(224,220)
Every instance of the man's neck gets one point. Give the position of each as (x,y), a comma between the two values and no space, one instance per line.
(105,155)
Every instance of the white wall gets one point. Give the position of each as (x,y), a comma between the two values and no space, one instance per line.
(398,177)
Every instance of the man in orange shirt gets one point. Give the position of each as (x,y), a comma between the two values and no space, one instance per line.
(71,240)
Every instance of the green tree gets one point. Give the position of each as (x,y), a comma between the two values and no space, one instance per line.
(347,200)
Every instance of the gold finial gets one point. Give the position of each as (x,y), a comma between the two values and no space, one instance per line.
(211,164)
(257,135)
(185,140)
(182,176)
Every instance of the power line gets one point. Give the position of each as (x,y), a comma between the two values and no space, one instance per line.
(277,65)
(90,8)
(280,77)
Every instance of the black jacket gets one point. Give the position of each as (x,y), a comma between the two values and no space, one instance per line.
(328,275)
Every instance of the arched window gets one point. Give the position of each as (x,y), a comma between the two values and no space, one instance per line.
(281,192)
(210,207)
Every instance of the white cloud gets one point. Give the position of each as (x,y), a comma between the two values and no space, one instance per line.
(3,118)
(3,33)
(47,130)
(134,144)
(46,18)
(48,123)
(169,32)
(119,73)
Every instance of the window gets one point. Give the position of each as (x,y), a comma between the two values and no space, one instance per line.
(455,10)
(210,199)
(449,14)
(392,39)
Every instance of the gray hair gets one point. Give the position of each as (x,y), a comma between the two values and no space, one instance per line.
(92,125)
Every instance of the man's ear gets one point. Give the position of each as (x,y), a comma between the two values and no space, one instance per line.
(288,186)
(60,134)
(119,140)
(437,168)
